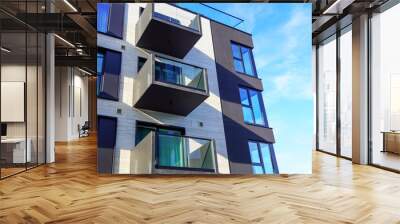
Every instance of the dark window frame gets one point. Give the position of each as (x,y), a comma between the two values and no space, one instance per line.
(253,65)
(260,155)
(100,77)
(114,131)
(108,33)
(250,106)
(150,125)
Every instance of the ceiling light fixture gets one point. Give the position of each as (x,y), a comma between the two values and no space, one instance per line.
(65,41)
(5,50)
(79,51)
(70,5)
(84,71)
(337,7)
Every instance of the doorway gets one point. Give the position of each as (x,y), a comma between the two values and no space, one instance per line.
(75,104)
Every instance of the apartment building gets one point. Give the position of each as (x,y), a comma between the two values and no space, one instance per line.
(357,78)
(178,92)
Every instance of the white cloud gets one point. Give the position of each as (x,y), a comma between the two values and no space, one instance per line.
(288,86)
(280,58)
(249,13)
(282,82)
(297,20)
(286,40)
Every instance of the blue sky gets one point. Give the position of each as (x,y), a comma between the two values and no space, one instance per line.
(282,53)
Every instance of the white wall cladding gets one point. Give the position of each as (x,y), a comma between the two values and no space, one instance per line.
(209,112)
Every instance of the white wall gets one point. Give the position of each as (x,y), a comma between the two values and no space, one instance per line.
(13,74)
(70,83)
(61,103)
(17,73)
(33,125)
(209,112)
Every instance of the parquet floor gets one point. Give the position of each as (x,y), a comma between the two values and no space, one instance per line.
(70,191)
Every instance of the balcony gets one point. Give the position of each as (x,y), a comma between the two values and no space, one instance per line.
(167,29)
(166,85)
(159,152)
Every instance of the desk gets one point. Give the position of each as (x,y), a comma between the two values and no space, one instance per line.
(13,150)
(391,142)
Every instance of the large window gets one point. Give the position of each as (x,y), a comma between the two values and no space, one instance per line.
(385,89)
(243,60)
(110,19)
(108,73)
(261,160)
(335,94)
(100,63)
(252,107)
(106,138)
(327,95)
(346,92)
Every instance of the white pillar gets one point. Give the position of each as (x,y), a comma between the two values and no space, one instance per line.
(50,98)
(360,89)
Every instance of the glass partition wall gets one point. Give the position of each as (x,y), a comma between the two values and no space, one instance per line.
(385,89)
(22,77)
(334,94)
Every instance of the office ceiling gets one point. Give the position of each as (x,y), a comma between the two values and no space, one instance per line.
(72,20)
(328,13)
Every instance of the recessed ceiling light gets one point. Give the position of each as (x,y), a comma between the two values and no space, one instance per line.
(337,7)
(5,50)
(84,71)
(70,5)
(64,40)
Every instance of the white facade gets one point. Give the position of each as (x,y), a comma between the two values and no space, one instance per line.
(209,113)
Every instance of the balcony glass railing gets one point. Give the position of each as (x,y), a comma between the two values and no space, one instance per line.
(177,16)
(180,74)
(182,152)
(216,12)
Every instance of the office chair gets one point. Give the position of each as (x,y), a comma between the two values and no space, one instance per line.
(84,130)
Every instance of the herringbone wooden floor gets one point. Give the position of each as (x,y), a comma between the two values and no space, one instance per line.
(70,191)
